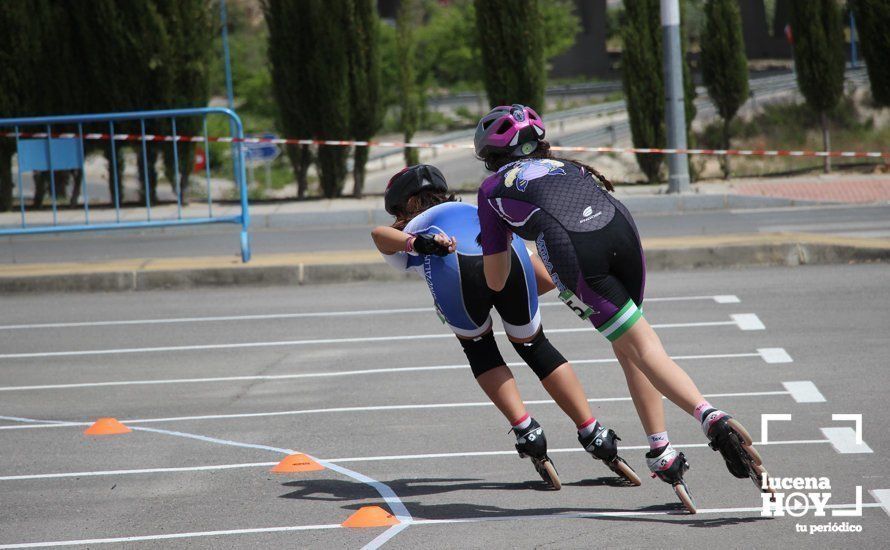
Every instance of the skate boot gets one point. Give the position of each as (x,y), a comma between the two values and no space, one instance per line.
(531,443)
(602,444)
(668,465)
(729,437)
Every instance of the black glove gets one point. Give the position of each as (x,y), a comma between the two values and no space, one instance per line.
(427,244)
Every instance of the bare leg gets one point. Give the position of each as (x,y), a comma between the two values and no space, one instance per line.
(500,386)
(647,400)
(564,387)
(642,346)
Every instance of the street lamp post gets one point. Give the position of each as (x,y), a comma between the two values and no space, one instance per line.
(675,109)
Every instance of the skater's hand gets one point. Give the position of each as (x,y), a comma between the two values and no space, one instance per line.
(438,245)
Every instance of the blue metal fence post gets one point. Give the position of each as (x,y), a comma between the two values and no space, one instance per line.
(117,193)
(52,173)
(241,176)
(83,176)
(176,187)
(207,169)
(145,171)
(19,170)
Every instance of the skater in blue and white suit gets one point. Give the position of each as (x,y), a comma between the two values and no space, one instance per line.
(436,237)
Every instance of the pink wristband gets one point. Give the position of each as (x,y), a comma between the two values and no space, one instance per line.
(409,244)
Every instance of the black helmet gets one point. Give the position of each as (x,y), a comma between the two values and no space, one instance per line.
(409,182)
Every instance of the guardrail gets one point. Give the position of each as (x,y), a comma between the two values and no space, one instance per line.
(57,150)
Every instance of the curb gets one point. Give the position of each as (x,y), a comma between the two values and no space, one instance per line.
(728,251)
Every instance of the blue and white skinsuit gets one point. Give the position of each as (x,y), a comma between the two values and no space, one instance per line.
(457,281)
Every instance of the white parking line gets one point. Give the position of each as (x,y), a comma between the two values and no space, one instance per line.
(179,469)
(844,440)
(170,536)
(328,374)
(626,513)
(374,408)
(421,522)
(775,355)
(720,299)
(883,498)
(804,391)
(139,471)
(748,321)
(742,323)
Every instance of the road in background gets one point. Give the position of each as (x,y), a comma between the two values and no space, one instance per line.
(843,220)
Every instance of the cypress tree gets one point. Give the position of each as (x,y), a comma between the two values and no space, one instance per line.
(819,58)
(365,92)
(55,87)
(724,65)
(512,47)
(189,27)
(128,68)
(872,22)
(17,50)
(289,47)
(310,72)
(642,78)
(328,78)
(409,95)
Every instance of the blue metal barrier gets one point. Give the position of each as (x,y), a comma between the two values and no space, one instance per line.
(55,145)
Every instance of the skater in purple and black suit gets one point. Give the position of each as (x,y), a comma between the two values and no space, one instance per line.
(590,246)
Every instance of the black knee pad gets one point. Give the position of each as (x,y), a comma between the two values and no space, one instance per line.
(483,353)
(540,355)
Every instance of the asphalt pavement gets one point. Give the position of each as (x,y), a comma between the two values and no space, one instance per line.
(363,377)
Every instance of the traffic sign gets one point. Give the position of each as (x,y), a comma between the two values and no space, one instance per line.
(261,152)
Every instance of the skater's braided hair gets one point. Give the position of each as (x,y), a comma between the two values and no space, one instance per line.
(494,163)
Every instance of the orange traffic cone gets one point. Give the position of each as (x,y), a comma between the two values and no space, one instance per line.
(296,463)
(107,426)
(370,516)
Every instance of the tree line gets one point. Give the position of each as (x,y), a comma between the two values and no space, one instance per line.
(818,45)
(60,57)
(329,78)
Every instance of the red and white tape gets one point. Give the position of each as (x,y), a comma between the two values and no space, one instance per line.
(399,144)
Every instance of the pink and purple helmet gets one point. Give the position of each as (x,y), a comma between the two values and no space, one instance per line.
(512,129)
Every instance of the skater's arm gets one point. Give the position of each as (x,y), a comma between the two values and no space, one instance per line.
(390,240)
(495,240)
(542,277)
(497,269)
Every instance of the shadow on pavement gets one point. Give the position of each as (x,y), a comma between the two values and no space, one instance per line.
(340,490)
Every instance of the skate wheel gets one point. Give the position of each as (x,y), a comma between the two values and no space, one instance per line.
(551,473)
(753,454)
(739,429)
(624,470)
(685,497)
